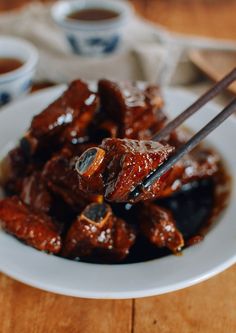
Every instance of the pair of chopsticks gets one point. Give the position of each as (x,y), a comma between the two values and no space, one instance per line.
(197,138)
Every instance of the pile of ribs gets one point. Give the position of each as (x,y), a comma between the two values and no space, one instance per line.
(78,162)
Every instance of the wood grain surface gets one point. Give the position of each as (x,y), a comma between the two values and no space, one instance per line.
(215,64)
(28,310)
(205,308)
(213,18)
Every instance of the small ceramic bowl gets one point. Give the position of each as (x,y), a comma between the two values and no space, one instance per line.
(93,38)
(16,83)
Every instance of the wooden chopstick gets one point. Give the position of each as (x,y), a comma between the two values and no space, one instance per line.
(205,98)
(186,148)
(196,139)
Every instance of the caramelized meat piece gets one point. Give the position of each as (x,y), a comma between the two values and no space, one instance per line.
(98,235)
(62,179)
(206,162)
(35,193)
(91,167)
(109,129)
(74,109)
(177,138)
(102,130)
(137,112)
(74,150)
(158,225)
(13,168)
(199,164)
(35,229)
(119,165)
(77,132)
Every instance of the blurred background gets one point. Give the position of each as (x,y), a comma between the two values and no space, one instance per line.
(169,42)
(212,18)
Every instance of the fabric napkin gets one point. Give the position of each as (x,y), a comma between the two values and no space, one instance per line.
(148,53)
(141,57)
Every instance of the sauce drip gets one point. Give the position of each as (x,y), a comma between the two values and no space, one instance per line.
(93,14)
(9,64)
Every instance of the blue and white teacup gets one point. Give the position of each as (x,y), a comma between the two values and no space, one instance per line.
(93,38)
(17,82)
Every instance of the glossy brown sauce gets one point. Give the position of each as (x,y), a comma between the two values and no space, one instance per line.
(9,64)
(93,14)
(196,208)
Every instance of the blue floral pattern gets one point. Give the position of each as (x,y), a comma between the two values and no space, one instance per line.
(74,44)
(5,98)
(101,45)
(107,45)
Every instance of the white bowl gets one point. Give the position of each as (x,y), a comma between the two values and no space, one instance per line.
(18,82)
(214,254)
(92,38)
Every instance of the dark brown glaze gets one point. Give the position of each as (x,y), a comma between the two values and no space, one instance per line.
(109,129)
(138,113)
(35,194)
(75,150)
(177,138)
(195,240)
(35,229)
(90,167)
(195,210)
(129,162)
(62,179)
(124,165)
(158,225)
(77,131)
(17,166)
(199,164)
(13,168)
(72,112)
(102,129)
(222,184)
(191,209)
(97,235)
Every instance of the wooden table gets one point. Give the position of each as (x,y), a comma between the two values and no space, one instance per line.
(208,307)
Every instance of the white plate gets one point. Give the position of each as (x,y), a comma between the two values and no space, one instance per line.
(199,262)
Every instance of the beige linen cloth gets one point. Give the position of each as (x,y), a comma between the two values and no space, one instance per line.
(149,52)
